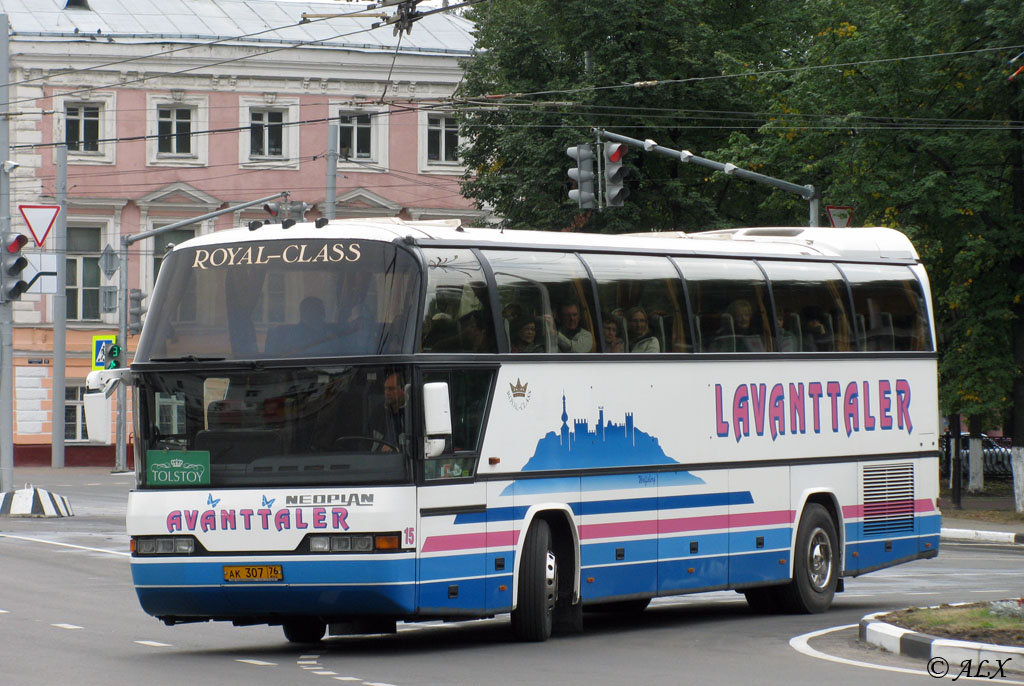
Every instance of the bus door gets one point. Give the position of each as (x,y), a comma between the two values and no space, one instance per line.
(452,531)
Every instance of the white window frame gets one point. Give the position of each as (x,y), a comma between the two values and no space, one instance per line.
(289,159)
(107,104)
(79,277)
(200,108)
(81,430)
(426,165)
(109,227)
(379,137)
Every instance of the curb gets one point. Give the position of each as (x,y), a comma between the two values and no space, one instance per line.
(34,502)
(901,641)
(972,535)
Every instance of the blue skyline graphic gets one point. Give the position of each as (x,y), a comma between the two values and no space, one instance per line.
(608,445)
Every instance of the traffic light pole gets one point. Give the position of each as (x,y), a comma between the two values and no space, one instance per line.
(121,445)
(807,192)
(6,307)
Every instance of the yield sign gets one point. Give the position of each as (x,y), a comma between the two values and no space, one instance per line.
(40,219)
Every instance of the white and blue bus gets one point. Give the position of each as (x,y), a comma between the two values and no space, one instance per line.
(344,425)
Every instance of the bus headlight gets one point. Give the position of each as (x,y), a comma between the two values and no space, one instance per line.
(354,543)
(163,545)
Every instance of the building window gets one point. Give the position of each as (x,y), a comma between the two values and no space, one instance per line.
(442,138)
(355,136)
(161,242)
(174,128)
(82,128)
(266,133)
(74,413)
(83,273)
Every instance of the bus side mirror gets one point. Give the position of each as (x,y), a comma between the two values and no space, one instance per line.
(437,418)
(100,385)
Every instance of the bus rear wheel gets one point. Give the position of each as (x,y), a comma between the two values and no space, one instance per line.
(815,563)
(538,586)
(304,630)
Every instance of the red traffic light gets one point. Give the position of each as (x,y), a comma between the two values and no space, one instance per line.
(615,151)
(17,243)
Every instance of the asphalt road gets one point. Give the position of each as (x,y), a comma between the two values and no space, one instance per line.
(68,615)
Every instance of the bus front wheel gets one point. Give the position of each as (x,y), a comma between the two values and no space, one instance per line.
(815,563)
(304,630)
(538,586)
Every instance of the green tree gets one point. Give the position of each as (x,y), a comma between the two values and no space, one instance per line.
(929,145)
(571,59)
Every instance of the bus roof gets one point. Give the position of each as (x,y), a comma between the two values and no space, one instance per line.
(866,243)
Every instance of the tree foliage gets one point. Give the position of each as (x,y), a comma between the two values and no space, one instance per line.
(902,109)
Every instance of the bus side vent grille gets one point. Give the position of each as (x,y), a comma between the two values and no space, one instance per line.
(888,499)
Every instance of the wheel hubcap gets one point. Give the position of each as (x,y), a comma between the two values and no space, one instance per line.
(550,582)
(819,560)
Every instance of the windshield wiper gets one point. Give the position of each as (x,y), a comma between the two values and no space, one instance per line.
(187,358)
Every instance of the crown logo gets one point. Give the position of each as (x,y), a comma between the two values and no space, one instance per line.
(177,462)
(518,389)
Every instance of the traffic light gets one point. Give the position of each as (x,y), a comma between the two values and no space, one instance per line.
(135,310)
(287,213)
(615,192)
(113,356)
(583,175)
(14,264)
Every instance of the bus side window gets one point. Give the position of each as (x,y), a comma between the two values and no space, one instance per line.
(644,294)
(554,289)
(890,307)
(456,312)
(812,314)
(729,300)
(469,393)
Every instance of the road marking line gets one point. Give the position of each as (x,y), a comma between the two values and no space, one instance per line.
(377,683)
(993,590)
(800,644)
(258,663)
(3,612)
(67,545)
(154,644)
(325,673)
(347,678)
(306,662)
(308,657)
(66,626)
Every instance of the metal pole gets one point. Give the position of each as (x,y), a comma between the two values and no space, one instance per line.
(60,239)
(6,307)
(332,170)
(121,445)
(806,192)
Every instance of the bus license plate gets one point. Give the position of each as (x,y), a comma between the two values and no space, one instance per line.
(253,573)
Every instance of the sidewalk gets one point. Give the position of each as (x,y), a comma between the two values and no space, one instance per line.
(960,525)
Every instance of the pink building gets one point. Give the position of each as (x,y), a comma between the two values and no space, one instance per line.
(174,108)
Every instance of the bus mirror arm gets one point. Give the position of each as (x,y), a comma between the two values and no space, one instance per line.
(437,418)
(107,380)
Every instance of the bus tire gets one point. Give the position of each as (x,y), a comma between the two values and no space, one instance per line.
(815,563)
(538,586)
(304,630)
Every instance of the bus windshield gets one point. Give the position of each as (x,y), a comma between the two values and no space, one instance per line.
(297,298)
(312,426)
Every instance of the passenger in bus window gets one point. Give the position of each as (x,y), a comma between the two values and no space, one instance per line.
(394,413)
(613,340)
(747,339)
(788,341)
(643,339)
(572,337)
(473,336)
(524,336)
(817,337)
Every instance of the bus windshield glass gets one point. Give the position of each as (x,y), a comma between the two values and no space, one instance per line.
(302,426)
(301,298)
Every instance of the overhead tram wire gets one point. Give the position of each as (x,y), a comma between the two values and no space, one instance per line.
(263,53)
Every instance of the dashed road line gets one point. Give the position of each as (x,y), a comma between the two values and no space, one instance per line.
(377,683)
(154,644)
(347,678)
(258,663)
(325,673)
(66,626)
